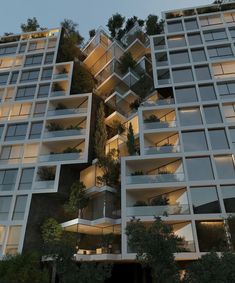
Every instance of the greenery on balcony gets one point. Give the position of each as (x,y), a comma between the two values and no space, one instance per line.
(46,173)
(137,173)
(126,62)
(60,106)
(152,119)
(72,150)
(116,128)
(57,87)
(131,144)
(31,25)
(143,87)
(52,127)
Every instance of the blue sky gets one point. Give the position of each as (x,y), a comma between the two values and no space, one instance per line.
(87,13)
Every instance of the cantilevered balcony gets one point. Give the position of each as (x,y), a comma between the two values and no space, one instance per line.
(154,171)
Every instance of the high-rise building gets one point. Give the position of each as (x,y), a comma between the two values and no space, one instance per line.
(179,98)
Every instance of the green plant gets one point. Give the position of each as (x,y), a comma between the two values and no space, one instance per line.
(117,128)
(137,173)
(72,150)
(92,33)
(152,118)
(51,127)
(143,86)
(126,62)
(159,200)
(60,106)
(72,127)
(135,104)
(31,25)
(131,140)
(100,132)
(57,87)
(63,71)
(115,24)
(140,203)
(51,231)
(153,25)
(46,173)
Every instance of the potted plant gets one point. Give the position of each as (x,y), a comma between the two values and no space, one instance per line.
(137,173)
(52,127)
(151,119)
(159,201)
(72,150)
(46,173)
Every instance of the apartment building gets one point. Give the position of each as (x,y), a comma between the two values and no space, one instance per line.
(184,128)
(42,128)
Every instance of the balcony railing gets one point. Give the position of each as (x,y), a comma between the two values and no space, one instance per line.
(159,125)
(44,185)
(58,112)
(162,149)
(64,133)
(60,76)
(58,93)
(158,178)
(173,209)
(60,157)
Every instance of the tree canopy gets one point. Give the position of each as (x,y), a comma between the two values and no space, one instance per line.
(31,25)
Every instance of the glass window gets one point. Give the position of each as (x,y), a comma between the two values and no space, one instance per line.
(215,35)
(40,109)
(49,58)
(186,94)
(4,78)
(13,239)
(179,57)
(218,139)
(25,92)
(20,204)
(16,132)
(212,114)
(9,49)
(226,89)
(194,141)
(43,90)
(29,75)
(232,32)
(199,168)
(22,47)
(205,200)
(232,134)
(26,179)
(202,73)
(210,20)
(8,179)
(220,52)
(190,116)
(229,112)
(194,39)
(175,26)
(33,60)
(5,203)
(176,41)
(225,167)
(182,75)
(198,55)
(228,193)
(207,92)
(35,131)
(191,24)
(14,77)
(46,74)
(211,236)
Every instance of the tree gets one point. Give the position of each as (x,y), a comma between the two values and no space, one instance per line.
(153,26)
(155,246)
(70,42)
(51,231)
(92,33)
(130,140)
(212,268)
(23,268)
(100,132)
(82,79)
(115,24)
(31,25)
(126,62)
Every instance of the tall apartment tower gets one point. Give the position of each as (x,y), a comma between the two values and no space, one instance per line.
(179,98)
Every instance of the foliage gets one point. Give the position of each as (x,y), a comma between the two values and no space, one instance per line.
(51,127)
(78,198)
(212,268)
(155,246)
(100,132)
(111,169)
(126,62)
(70,42)
(51,231)
(137,173)
(46,173)
(117,128)
(153,25)
(151,118)
(140,203)
(31,25)
(60,106)
(92,33)
(231,226)
(131,140)
(57,87)
(115,24)
(72,150)
(159,200)
(130,23)
(22,268)
(82,79)
(143,86)
(135,104)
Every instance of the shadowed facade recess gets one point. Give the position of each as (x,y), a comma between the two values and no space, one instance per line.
(178,96)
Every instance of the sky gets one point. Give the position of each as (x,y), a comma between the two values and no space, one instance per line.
(88,14)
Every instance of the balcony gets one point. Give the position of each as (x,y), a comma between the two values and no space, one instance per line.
(162,149)
(158,119)
(64,133)
(160,210)
(44,185)
(158,178)
(60,157)
(67,111)
(160,125)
